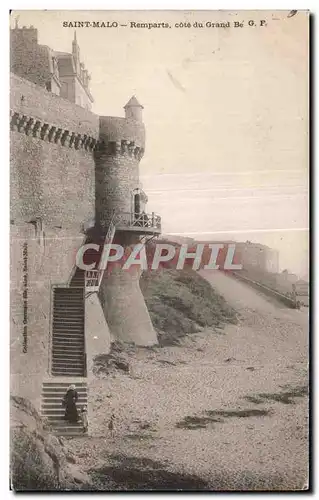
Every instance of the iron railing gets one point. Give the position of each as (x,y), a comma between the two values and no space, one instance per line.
(141,220)
(150,222)
(94,277)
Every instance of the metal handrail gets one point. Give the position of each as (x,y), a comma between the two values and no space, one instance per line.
(94,277)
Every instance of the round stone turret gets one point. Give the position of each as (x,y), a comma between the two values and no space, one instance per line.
(121,147)
(133,110)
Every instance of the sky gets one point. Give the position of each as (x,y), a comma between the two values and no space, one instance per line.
(225,111)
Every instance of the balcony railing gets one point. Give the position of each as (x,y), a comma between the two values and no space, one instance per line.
(139,222)
(93,280)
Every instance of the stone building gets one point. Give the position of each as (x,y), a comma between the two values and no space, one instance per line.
(61,73)
(258,256)
(74,180)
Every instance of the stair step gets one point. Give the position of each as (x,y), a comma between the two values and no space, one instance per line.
(73,373)
(70,292)
(77,338)
(61,423)
(70,354)
(69,297)
(65,309)
(67,323)
(75,304)
(68,301)
(56,367)
(68,430)
(55,413)
(56,395)
(75,351)
(80,356)
(59,372)
(54,406)
(72,316)
(67,320)
(70,362)
(79,348)
(61,389)
(68,349)
(71,341)
(73,369)
(68,335)
(60,362)
(68,326)
(64,384)
(68,341)
(63,290)
(70,320)
(68,338)
(72,328)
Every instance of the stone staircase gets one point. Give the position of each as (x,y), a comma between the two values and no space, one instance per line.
(77,280)
(52,409)
(68,348)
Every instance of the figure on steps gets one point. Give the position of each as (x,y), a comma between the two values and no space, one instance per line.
(111,425)
(84,414)
(69,401)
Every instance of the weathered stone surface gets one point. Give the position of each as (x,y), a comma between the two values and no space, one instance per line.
(38,459)
(125,309)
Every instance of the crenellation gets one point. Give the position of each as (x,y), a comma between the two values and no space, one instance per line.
(58,135)
(51,133)
(92,144)
(77,141)
(131,148)
(87,143)
(22,122)
(36,128)
(44,131)
(72,139)
(124,147)
(137,152)
(118,147)
(65,139)
(14,121)
(29,126)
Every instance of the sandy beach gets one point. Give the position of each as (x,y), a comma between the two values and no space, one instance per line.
(228,406)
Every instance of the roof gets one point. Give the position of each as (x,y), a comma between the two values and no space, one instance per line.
(65,63)
(133,103)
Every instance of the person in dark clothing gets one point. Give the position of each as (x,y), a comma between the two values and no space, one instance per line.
(69,401)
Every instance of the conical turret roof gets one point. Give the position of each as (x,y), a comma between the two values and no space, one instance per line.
(133,103)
